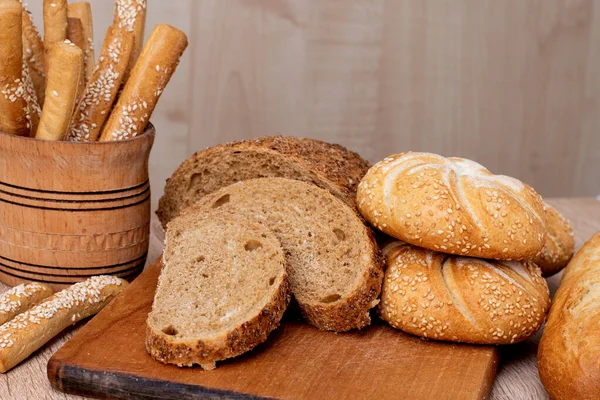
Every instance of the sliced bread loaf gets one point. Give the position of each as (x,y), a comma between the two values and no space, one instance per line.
(222,290)
(334,265)
(329,166)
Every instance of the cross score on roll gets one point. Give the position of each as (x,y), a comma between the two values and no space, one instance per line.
(108,104)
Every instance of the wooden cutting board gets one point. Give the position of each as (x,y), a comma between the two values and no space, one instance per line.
(107,358)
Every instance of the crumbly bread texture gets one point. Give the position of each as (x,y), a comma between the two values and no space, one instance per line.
(453,205)
(560,244)
(21,298)
(569,351)
(30,330)
(222,290)
(329,166)
(461,299)
(335,268)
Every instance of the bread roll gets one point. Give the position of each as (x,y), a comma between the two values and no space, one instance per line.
(559,246)
(30,330)
(569,351)
(453,205)
(13,105)
(461,299)
(21,298)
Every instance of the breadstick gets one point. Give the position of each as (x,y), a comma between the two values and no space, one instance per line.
(21,298)
(151,73)
(13,106)
(76,35)
(131,15)
(83,11)
(33,51)
(101,91)
(30,330)
(33,109)
(64,72)
(55,22)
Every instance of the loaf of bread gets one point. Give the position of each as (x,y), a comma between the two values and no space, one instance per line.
(461,299)
(569,351)
(334,265)
(329,166)
(30,330)
(559,246)
(222,290)
(21,298)
(453,205)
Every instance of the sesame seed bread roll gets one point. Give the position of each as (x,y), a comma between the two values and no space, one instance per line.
(13,105)
(33,51)
(21,298)
(30,330)
(64,73)
(152,72)
(101,91)
(569,351)
(453,205)
(131,16)
(55,22)
(76,36)
(560,244)
(83,11)
(461,299)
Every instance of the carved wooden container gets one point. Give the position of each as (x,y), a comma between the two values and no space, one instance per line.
(69,211)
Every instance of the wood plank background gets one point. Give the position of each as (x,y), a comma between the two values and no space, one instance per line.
(513,84)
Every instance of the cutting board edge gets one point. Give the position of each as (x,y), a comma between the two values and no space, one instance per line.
(113,384)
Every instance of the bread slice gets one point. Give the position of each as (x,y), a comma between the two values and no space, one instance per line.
(334,265)
(222,290)
(329,166)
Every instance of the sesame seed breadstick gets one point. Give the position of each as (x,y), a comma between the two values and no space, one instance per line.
(30,330)
(101,91)
(21,298)
(76,35)
(33,109)
(151,73)
(13,105)
(33,51)
(131,15)
(83,11)
(55,21)
(64,72)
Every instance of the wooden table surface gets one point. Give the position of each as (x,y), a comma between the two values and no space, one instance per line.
(517,376)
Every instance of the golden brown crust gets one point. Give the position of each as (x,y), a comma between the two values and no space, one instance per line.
(83,11)
(166,349)
(64,61)
(13,105)
(55,22)
(131,16)
(76,35)
(559,246)
(102,89)
(21,298)
(453,205)
(30,330)
(461,299)
(157,63)
(33,51)
(568,354)
(329,166)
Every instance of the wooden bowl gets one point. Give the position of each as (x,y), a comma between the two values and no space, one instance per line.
(70,210)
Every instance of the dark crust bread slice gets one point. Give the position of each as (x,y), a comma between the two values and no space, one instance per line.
(329,166)
(352,312)
(167,350)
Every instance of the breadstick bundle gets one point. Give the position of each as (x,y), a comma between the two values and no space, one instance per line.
(52,88)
